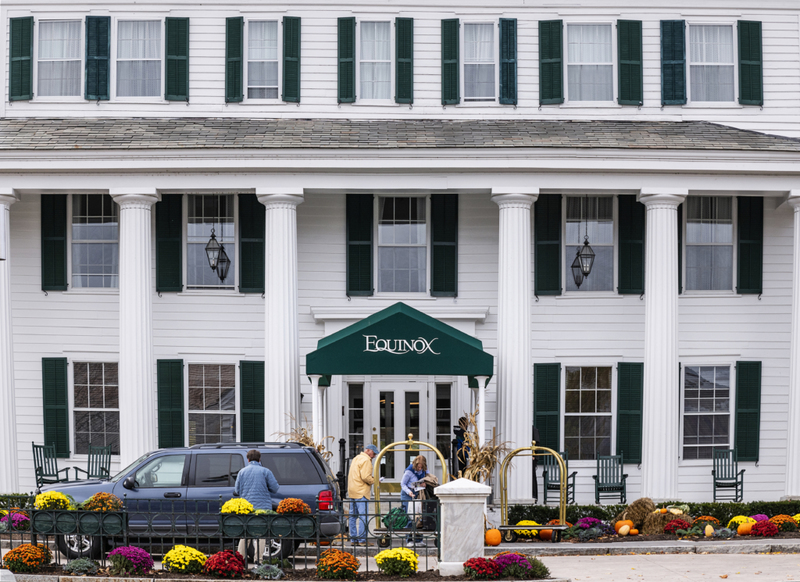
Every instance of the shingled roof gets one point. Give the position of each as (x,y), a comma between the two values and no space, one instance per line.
(238,133)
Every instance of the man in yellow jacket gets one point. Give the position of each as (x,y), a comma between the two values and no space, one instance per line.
(359,484)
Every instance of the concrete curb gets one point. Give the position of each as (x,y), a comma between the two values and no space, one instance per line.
(639,548)
(53,578)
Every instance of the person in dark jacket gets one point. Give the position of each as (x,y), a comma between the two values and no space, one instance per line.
(256,484)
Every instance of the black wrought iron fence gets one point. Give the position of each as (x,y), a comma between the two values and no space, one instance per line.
(295,541)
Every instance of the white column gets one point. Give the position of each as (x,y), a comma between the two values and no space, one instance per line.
(9,475)
(316,407)
(514,368)
(482,381)
(281,346)
(137,390)
(661,405)
(793,436)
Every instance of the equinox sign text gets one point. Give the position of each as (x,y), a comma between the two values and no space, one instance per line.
(399,346)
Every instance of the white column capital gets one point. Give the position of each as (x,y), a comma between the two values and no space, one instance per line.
(515,197)
(663,197)
(135,197)
(271,197)
(794,199)
(8,196)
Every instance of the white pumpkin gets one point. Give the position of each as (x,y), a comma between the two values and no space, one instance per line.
(709,531)
(624,530)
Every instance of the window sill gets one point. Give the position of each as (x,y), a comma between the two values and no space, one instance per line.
(592,295)
(714,105)
(711,294)
(64,99)
(593,105)
(90,291)
(212,293)
(479,104)
(403,297)
(375,103)
(264,102)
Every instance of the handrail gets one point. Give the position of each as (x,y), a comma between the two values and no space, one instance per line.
(376,465)
(532,452)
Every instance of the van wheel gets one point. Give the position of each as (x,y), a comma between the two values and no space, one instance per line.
(281,549)
(77,546)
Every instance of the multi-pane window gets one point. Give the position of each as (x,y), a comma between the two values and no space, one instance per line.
(590,65)
(479,62)
(355,420)
(706,410)
(139,58)
(711,63)
(95,241)
(709,243)
(262,59)
(212,403)
(402,244)
(591,216)
(96,406)
(59,58)
(375,67)
(587,418)
(207,213)
(444,421)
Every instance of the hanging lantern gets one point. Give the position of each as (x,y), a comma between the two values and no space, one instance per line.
(586,256)
(223,264)
(212,251)
(577,272)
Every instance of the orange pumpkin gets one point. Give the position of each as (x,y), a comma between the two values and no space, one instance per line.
(663,510)
(744,529)
(546,534)
(493,537)
(620,523)
(633,532)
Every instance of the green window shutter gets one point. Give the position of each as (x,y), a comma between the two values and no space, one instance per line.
(547,245)
(751,66)
(56,405)
(177,53)
(252,401)
(551,66)
(252,228)
(750,252)
(629,53)
(444,239)
(748,410)
(404,60)
(20,71)
(630,387)
(546,404)
(680,249)
(359,244)
(291,59)
(234,65)
(508,61)
(98,51)
(54,242)
(673,62)
(451,86)
(169,237)
(346,71)
(631,246)
(169,374)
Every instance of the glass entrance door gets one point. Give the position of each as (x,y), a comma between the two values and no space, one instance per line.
(399,409)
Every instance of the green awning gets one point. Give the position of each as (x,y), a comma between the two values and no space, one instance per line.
(400,341)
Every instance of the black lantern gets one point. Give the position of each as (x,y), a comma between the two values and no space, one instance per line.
(223,264)
(577,272)
(212,251)
(586,256)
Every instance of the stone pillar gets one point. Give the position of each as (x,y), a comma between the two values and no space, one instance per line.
(462,533)
(9,475)
(793,436)
(137,390)
(661,405)
(281,345)
(514,367)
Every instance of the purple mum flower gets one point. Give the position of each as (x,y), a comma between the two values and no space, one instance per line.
(18,520)
(588,522)
(140,561)
(503,561)
(759,517)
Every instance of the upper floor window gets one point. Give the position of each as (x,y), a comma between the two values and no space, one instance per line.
(590,65)
(262,59)
(591,216)
(139,58)
(375,60)
(709,243)
(402,244)
(59,58)
(479,62)
(711,63)
(207,212)
(95,241)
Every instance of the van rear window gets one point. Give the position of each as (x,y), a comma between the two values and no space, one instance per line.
(291,468)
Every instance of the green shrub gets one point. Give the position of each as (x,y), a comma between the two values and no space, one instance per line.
(81,567)
(538,569)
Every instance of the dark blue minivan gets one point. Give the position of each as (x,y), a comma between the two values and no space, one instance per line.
(170,481)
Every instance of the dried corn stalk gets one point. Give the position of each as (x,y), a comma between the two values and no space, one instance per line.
(481,457)
(302,435)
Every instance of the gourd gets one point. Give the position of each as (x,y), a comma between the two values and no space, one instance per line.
(633,532)
(621,523)
(546,535)
(709,531)
(744,529)
(624,530)
(493,537)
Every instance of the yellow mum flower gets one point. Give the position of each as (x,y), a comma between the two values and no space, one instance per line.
(238,506)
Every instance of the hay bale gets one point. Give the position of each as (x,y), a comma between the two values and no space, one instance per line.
(655,522)
(637,512)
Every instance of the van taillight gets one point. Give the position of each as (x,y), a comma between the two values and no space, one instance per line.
(325,500)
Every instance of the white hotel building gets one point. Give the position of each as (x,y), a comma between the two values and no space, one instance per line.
(450,156)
